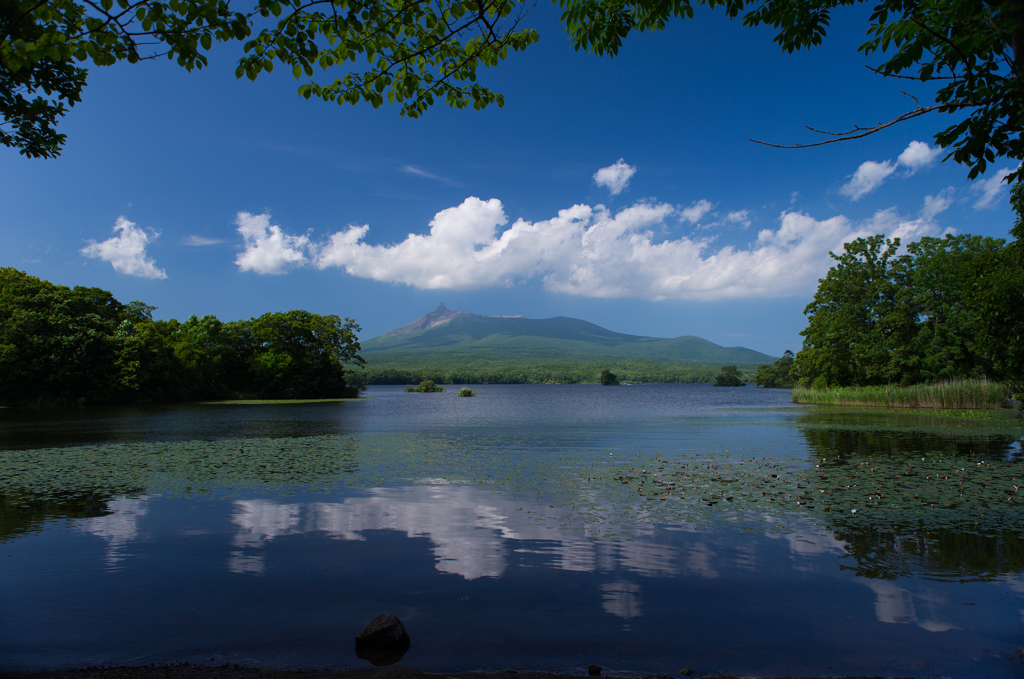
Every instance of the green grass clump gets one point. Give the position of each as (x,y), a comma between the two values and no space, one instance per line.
(949,395)
(466,391)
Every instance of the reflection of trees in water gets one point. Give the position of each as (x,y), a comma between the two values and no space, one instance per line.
(929,552)
(75,483)
(21,513)
(897,420)
(935,533)
(846,443)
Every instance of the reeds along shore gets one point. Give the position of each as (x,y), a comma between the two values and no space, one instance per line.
(954,394)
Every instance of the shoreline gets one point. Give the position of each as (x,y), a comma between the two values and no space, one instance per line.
(230,671)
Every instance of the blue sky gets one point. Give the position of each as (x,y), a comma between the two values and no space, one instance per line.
(622,191)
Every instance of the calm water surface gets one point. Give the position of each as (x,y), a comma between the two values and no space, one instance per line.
(643,528)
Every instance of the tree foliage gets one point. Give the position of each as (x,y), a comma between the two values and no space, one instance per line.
(299,354)
(417,52)
(777,374)
(56,341)
(80,345)
(409,52)
(426,387)
(950,307)
(608,379)
(729,376)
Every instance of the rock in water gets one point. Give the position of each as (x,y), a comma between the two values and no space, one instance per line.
(384,641)
(594,670)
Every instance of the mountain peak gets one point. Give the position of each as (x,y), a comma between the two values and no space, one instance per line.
(440,314)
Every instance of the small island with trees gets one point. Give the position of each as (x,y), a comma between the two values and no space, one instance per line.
(729,376)
(426,387)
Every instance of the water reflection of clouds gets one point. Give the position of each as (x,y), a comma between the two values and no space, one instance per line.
(621,599)
(896,605)
(472,532)
(469,530)
(117,528)
(807,544)
(259,522)
(746,556)
(700,560)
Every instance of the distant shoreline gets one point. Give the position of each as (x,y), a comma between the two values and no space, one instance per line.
(450,371)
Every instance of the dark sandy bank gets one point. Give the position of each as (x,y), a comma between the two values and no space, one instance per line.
(188,671)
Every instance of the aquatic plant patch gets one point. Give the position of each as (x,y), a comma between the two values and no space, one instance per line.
(587,488)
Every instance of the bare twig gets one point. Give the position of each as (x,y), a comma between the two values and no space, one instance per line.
(857,132)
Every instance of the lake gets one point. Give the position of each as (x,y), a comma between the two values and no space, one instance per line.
(643,528)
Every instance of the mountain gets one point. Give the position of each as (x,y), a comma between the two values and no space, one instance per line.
(444,332)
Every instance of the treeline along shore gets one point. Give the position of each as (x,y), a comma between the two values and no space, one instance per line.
(62,345)
(940,309)
(472,370)
(81,345)
(945,312)
(937,323)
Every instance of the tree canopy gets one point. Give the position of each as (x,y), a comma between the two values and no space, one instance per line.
(409,52)
(729,376)
(777,374)
(81,345)
(414,52)
(950,307)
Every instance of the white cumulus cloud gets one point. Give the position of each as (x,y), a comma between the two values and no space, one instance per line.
(615,177)
(696,211)
(268,250)
(126,251)
(933,205)
(593,252)
(739,217)
(868,177)
(893,225)
(917,155)
(990,188)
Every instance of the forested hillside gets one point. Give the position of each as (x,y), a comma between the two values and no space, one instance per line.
(442,335)
(81,345)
